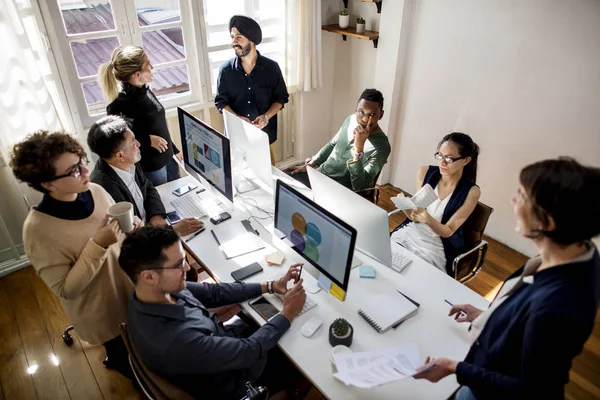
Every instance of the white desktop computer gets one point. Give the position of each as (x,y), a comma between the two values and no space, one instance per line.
(370,221)
(250,153)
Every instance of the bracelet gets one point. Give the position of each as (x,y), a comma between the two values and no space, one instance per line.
(270,287)
(267,117)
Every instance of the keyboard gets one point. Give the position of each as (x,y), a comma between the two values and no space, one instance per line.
(308,304)
(187,207)
(399,262)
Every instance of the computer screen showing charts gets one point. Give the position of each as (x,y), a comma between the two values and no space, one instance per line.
(319,236)
(206,151)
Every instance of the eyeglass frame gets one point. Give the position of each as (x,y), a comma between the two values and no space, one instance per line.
(184,262)
(446,158)
(75,170)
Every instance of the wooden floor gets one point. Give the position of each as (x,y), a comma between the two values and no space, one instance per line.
(35,363)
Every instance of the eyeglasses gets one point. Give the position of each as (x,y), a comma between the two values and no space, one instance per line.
(75,171)
(448,160)
(181,266)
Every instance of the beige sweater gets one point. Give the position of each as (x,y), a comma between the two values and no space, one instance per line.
(91,286)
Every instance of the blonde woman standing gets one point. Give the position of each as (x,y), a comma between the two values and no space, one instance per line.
(124,81)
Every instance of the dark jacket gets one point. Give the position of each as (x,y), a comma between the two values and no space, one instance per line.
(147,116)
(252,95)
(106,177)
(455,243)
(527,345)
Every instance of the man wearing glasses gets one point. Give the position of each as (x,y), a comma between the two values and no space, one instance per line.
(177,337)
(356,155)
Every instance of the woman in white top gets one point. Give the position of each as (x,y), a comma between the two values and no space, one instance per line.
(435,233)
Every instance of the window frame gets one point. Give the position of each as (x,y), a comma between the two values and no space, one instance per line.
(127,31)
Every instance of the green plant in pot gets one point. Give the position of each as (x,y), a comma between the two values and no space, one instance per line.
(340,332)
(360,25)
(344,19)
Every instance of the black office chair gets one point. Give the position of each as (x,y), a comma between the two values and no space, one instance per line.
(155,387)
(468,264)
(66,336)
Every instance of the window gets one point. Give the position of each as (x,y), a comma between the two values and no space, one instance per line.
(186,41)
(270,15)
(92,29)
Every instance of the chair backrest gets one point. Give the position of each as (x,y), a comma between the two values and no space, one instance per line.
(372,193)
(475,225)
(159,387)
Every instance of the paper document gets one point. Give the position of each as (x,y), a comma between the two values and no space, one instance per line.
(422,199)
(375,368)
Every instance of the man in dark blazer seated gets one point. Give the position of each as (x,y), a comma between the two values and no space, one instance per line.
(119,174)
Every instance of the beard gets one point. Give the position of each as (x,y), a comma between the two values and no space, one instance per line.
(242,51)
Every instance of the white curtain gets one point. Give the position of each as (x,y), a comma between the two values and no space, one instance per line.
(304,39)
(28,95)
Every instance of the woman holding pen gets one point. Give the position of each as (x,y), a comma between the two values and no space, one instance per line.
(523,344)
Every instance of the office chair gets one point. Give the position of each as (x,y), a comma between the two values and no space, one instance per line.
(155,387)
(467,264)
(66,336)
(373,193)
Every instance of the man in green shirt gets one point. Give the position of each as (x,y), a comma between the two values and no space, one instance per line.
(358,151)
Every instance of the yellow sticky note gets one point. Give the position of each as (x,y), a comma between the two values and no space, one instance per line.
(337,291)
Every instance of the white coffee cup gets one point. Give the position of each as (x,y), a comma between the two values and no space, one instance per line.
(123,213)
(340,348)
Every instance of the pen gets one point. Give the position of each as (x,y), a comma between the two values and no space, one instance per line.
(194,235)
(460,313)
(451,305)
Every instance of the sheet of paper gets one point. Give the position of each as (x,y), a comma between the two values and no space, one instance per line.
(403,203)
(377,367)
(424,197)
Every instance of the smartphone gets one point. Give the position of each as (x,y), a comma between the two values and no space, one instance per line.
(180,191)
(173,217)
(246,272)
(264,308)
(220,218)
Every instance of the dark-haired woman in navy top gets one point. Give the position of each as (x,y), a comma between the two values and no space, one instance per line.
(435,233)
(524,343)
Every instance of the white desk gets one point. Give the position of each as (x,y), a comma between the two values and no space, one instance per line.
(431,329)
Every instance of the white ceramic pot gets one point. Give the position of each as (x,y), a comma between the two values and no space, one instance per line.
(360,28)
(344,21)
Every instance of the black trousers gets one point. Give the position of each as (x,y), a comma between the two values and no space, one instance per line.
(118,357)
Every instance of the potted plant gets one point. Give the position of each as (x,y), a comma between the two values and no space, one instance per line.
(344,19)
(340,332)
(360,25)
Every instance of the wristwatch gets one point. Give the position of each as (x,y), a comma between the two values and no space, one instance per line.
(359,154)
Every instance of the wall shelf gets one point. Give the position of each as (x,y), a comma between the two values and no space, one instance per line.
(351,31)
(377,3)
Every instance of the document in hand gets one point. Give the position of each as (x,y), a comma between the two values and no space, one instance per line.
(422,199)
(378,367)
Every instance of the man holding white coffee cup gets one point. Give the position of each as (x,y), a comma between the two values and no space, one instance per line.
(117,171)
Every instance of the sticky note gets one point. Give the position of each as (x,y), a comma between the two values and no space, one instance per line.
(337,292)
(366,271)
(324,282)
(275,258)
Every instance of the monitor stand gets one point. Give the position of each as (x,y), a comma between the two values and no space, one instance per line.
(241,182)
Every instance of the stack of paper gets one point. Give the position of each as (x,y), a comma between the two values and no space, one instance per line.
(375,368)
(422,199)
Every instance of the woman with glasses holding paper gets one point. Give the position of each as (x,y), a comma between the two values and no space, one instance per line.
(434,232)
(524,343)
(70,243)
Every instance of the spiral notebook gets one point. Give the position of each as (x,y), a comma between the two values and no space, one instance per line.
(387,310)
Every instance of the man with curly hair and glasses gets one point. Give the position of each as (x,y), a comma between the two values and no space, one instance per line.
(70,243)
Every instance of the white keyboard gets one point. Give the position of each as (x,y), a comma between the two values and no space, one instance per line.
(399,262)
(187,207)
(308,304)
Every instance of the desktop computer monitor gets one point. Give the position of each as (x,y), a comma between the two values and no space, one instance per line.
(206,152)
(251,155)
(370,221)
(317,235)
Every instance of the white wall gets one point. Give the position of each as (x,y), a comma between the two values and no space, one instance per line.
(522,78)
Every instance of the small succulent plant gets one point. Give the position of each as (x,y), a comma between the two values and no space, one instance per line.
(343,11)
(360,20)
(340,327)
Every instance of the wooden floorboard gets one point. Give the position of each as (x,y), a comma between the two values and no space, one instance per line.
(16,382)
(32,321)
(74,365)
(47,379)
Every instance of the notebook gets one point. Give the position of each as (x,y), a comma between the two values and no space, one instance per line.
(237,238)
(386,310)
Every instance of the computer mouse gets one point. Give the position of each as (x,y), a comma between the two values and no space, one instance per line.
(310,327)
